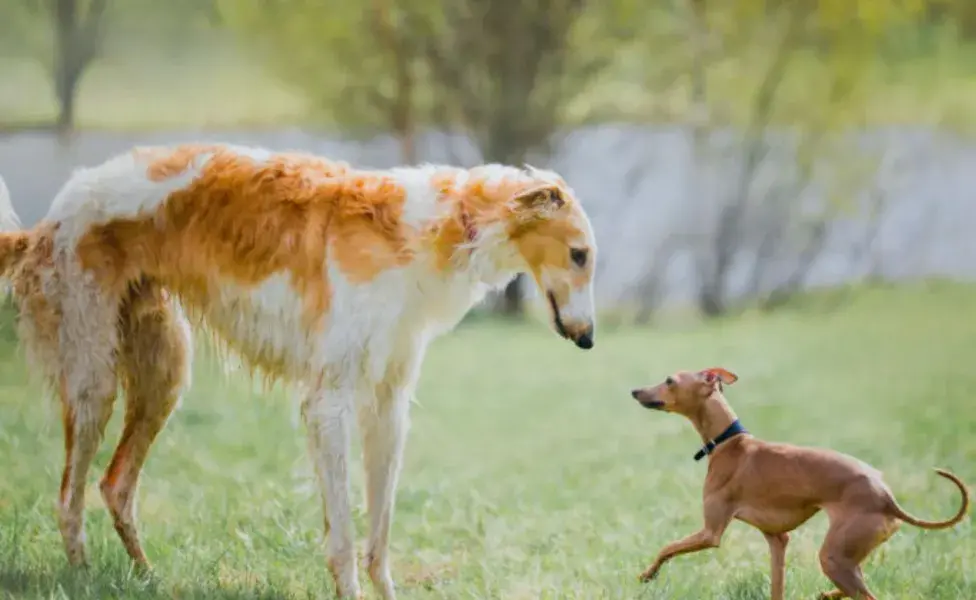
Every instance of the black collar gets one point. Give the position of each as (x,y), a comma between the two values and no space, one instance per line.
(733,430)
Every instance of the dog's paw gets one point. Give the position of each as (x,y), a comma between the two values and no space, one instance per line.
(648,575)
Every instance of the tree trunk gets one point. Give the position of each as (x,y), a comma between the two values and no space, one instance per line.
(712,298)
(710,294)
(76,42)
(67,93)
(66,59)
(402,107)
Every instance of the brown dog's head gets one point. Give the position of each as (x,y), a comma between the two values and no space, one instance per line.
(685,391)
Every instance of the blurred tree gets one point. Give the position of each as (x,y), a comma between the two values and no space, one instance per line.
(960,13)
(357,61)
(808,69)
(68,36)
(76,32)
(77,27)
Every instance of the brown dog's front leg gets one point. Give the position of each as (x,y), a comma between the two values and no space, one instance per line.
(717,517)
(777,554)
(702,540)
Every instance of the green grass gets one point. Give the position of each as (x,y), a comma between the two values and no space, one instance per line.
(530,471)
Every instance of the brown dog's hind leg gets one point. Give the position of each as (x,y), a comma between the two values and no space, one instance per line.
(850,539)
(846,576)
(154,357)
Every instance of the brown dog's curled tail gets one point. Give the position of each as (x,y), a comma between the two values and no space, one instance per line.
(899,512)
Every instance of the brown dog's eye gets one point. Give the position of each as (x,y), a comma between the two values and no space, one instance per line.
(578,256)
(669,381)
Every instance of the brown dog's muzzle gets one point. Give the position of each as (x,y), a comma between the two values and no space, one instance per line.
(647,400)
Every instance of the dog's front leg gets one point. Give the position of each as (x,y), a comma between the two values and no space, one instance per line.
(327,415)
(777,554)
(701,540)
(717,518)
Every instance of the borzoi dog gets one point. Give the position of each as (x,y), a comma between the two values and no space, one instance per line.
(316,273)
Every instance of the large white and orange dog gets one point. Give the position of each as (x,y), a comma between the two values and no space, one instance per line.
(316,273)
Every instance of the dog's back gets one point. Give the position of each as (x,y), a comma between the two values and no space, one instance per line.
(238,234)
(772,474)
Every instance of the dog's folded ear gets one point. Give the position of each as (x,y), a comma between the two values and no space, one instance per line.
(719,374)
(538,202)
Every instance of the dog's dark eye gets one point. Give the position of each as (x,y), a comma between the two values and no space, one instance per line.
(669,381)
(578,256)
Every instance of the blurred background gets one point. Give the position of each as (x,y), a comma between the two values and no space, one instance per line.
(733,156)
(727,151)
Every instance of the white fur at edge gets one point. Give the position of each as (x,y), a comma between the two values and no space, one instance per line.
(9,222)
(369,328)
(8,216)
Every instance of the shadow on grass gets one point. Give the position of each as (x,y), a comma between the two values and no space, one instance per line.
(20,582)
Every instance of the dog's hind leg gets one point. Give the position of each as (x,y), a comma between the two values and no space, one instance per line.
(87,382)
(154,365)
(850,538)
(328,415)
(384,423)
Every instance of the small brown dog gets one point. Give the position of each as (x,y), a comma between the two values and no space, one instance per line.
(777,487)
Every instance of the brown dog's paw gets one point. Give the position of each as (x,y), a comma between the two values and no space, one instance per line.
(649,574)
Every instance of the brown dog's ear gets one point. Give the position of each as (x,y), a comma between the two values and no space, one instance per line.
(539,202)
(719,374)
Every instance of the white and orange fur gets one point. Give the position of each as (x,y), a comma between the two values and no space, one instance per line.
(324,276)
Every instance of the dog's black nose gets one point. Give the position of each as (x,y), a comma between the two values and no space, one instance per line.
(585,341)
(635,394)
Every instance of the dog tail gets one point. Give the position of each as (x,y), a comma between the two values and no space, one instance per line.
(13,239)
(899,512)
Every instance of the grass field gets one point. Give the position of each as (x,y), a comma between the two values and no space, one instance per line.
(531,473)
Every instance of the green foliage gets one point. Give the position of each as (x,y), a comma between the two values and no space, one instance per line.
(24,30)
(344,55)
(530,471)
(851,62)
(505,72)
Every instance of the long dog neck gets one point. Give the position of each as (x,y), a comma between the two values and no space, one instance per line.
(472,234)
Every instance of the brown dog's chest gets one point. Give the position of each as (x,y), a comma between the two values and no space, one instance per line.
(775,520)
